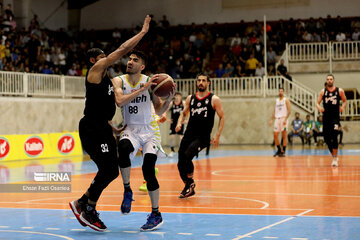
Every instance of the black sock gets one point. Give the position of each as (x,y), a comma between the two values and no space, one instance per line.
(127,187)
(279,149)
(83,199)
(189,181)
(172,149)
(155,211)
(284,148)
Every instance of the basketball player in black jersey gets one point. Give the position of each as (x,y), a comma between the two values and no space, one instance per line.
(95,131)
(176,107)
(331,96)
(202,107)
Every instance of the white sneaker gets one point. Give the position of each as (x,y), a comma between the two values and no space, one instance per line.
(335,162)
(171,154)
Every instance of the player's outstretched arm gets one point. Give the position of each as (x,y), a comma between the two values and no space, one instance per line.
(96,71)
(183,114)
(217,105)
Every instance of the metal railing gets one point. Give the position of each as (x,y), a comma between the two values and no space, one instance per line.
(46,85)
(346,50)
(352,109)
(299,52)
(40,85)
(301,96)
(320,51)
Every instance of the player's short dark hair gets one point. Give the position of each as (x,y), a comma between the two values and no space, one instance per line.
(330,75)
(308,115)
(178,93)
(93,53)
(281,87)
(297,113)
(203,74)
(139,54)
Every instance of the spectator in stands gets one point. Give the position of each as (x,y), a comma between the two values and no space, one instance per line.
(238,71)
(324,37)
(271,70)
(340,37)
(271,57)
(307,36)
(220,71)
(316,37)
(208,71)
(46,70)
(356,35)
(235,40)
(282,70)
(229,69)
(72,71)
(116,33)
(34,48)
(164,23)
(318,129)
(308,129)
(296,129)
(244,55)
(260,70)
(250,65)
(258,50)
(62,60)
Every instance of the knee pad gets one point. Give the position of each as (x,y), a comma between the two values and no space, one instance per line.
(148,169)
(125,148)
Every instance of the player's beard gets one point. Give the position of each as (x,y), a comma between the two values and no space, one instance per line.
(201,88)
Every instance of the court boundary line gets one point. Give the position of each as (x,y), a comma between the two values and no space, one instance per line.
(41,233)
(242,214)
(271,225)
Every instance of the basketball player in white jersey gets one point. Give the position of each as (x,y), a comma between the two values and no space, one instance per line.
(280,115)
(132,94)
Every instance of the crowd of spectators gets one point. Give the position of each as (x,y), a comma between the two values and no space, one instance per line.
(181,51)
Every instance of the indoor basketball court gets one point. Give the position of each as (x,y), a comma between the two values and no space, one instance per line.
(242,192)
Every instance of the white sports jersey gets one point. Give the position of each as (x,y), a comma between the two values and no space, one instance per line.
(138,111)
(280,108)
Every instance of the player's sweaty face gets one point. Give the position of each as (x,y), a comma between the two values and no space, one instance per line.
(202,83)
(330,81)
(134,64)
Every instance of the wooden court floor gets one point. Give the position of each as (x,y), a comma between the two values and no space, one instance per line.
(236,180)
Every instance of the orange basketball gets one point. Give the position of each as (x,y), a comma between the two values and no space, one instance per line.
(164,86)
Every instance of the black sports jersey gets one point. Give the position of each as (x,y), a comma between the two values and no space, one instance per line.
(202,115)
(100,101)
(175,111)
(331,103)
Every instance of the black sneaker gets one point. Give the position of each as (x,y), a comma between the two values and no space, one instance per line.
(281,154)
(77,207)
(277,154)
(91,219)
(188,191)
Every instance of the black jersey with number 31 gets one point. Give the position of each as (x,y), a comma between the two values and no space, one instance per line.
(201,119)
(331,103)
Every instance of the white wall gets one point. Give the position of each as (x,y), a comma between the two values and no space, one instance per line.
(45,9)
(342,79)
(107,14)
